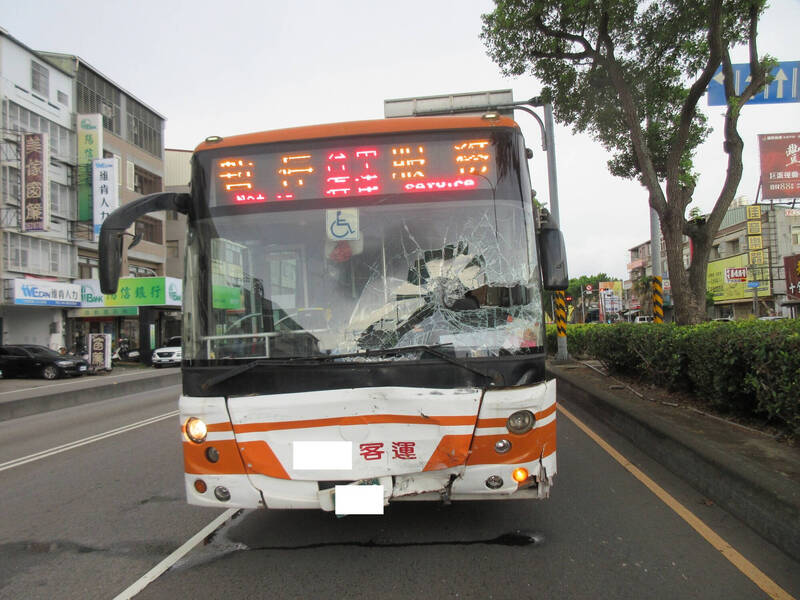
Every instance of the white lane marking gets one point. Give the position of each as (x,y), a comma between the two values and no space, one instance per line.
(88,440)
(165,564)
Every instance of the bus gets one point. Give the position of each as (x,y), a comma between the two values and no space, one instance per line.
(362,315)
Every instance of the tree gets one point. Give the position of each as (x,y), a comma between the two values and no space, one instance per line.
(576,284)
(631,74)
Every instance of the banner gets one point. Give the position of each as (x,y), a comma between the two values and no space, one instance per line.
(90,146)
(40,292)
(35,182)
(105,194)
(780,165)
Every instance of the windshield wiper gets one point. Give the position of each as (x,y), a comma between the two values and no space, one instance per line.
(429,348)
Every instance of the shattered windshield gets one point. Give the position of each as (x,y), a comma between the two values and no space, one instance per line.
(337,277)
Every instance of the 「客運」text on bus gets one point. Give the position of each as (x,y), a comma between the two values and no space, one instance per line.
(362,317)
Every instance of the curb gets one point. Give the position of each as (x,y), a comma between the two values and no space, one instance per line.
(38,400)
(766,501)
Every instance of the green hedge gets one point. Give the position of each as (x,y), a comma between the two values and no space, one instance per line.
(747,367)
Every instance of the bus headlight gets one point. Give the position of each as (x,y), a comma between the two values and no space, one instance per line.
(196,430)
(520,422)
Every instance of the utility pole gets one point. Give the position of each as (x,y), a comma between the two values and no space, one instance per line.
(655,257)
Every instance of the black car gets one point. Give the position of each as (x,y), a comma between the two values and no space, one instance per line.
(28,360)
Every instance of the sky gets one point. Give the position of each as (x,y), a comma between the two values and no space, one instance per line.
(214,68)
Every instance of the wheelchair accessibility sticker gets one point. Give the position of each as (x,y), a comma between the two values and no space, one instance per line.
(342,223)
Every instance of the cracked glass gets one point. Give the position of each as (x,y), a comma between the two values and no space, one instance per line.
(339,277)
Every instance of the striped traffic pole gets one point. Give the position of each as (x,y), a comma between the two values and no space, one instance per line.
(658,300)
(561,326)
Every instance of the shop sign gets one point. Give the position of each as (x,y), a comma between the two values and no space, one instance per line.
(105,193)
(146,291)
(722,290)
(35,182)
(104,311)
(90,292)
(791,266)
(100,350)
(226,297)
(37,292)
(90,146)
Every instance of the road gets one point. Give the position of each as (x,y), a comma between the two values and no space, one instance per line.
(93,518)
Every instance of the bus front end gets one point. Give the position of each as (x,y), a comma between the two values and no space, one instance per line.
(363,318)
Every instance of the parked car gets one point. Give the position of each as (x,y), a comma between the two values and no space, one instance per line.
(169,354)
(28,360)
(643,319)
(723,319)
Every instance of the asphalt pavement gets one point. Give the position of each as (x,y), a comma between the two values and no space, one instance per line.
(749,473)
(752,475)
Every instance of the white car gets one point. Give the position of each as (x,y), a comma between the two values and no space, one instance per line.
(643,319)
(168,355)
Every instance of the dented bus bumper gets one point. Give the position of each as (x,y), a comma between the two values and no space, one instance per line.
(293,450)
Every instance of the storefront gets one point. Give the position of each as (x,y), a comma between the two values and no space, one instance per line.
(145,311)
(33,311)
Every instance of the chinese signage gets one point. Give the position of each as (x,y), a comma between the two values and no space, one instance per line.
(100,350)
(722,290)
(791,265)
(735,274)
(105,195)
(755,243)
(397,165)
(90,146)
(38,292)
(35,183)
(780,165)
(398,451)
(146,291)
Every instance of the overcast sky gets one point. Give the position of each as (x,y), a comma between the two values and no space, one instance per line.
(222,68)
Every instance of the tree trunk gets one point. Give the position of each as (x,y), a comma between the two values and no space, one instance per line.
(688,298)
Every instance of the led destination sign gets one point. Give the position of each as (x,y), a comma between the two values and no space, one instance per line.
(355,170)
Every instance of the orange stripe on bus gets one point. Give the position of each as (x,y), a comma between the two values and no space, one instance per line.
(261,460)
(216,427)
(451,452)
(524,448)
(501,422)
(377,126)
(357,420)
(196,462)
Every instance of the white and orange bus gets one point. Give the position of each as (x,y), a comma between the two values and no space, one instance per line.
(362,317)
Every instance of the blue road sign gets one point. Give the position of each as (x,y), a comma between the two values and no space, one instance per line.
(783,89)
(753,284)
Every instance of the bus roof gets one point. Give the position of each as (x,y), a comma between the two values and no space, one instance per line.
(334,130)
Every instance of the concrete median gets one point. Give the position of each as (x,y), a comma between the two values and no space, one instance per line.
(45,397)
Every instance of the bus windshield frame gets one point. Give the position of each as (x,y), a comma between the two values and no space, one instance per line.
(348,277)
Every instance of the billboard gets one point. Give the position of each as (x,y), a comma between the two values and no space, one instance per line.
(723,279)
(780,165)
(35,182)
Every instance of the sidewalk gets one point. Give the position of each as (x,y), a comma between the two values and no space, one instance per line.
(748,473)
(23,397)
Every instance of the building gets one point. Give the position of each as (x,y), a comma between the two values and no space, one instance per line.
(178,168)
(112,123)
(75,145)
(37,197)
(747,271)
(752,266)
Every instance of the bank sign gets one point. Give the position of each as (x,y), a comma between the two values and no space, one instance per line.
(35,292)
(146,291)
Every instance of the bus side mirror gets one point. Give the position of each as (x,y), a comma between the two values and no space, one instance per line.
(115,228)
(553,255)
